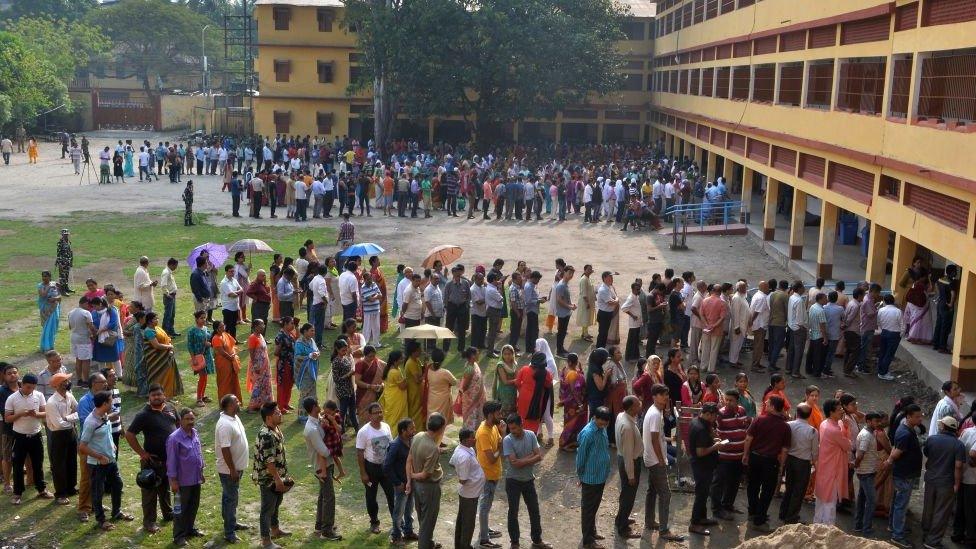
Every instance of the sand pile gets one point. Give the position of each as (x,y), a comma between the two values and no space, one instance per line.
(812,536)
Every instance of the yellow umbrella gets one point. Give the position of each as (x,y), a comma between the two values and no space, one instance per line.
(446,253)
(426,331)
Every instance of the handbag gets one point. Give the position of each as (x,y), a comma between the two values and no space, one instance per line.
(198,363)
(458,409)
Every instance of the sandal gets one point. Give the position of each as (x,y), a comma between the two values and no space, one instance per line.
(106,526)
(207,399)
(200,404)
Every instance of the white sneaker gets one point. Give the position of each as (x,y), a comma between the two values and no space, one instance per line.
(886,377)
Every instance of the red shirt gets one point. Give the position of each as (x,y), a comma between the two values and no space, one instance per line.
(770,434)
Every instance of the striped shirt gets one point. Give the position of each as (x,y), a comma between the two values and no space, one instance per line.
(593,454)
(116,411)
(346,231)
(368,291)
(731,425)
(515,297)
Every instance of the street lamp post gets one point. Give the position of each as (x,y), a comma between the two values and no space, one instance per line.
(203,51)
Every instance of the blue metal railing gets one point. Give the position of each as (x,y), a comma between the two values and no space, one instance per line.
(704,212)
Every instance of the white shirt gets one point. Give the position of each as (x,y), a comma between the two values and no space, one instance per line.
(315,441)
(890,318)
(142,284)
(320,289)
(654,423)
(968,439)
(796,315)
(230,433)
(143,159)
(587,193)
(228,285)
(61,412)
(741,313)
(301,267)
(168,282)
(413,297)
(402,287)
(78,321)
(374,442)
(17,402)
(300,191)
(256,184)
(318,189)
(348,288)
(657,190)
(603,296)
(632,306)
(696,304)
(760,304)
(469,470)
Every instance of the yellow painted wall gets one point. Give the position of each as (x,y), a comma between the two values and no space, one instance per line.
(303,28)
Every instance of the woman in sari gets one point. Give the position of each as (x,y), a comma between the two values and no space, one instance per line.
(127,155)
(277,266)
(260,294)
(394,397)
(135,372)
(354,338)
(918,313)
(49,307)
(746,400)
(92,291)
(377,276)
(396,304)
(572,397)
(258,379)
(439,382)
(472,390)
(106,321)
(334,306)
(832,463)
(159,358)
(242,275)
(534,384)
(541,345)
(306,366)
(413,372)
(816,418)
(368,378)
(504,388)
(199,345)
(618,388)
(285,367)
(226,362)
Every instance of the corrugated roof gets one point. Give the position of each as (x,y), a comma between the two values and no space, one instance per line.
(639,8)
(313,3)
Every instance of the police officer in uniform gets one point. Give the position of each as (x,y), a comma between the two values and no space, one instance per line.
(65,260)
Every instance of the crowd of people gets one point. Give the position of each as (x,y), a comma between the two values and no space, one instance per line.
(647,397)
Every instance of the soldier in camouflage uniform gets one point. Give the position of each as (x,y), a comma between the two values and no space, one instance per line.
(65,260)
(188,202)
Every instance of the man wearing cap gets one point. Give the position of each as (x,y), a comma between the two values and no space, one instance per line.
(946,457)
(64,261)
(24,410)
(62,440)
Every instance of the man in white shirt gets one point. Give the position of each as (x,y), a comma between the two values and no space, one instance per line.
(315,444)
(404,284)
(695,332)
(656,460)
(257,195)
(318,287)
(759,307)
(631,310)
(741,322)
(796,323)
(143,285)
(668,197)
(471,480)
(318,196)
(24,410)
(657,194)
(230,290)
(144,164)
(349,291)
(606,306)
(301,200)
(230,445)
(891,324)
(412,306)
(82,331)
(168,283)
(61,416)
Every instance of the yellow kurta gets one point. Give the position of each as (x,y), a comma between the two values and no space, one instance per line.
(394,399)
(585,312)
(439,383)
(415,388)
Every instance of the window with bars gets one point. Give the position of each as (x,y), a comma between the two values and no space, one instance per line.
(355,71)
(711,9)
(695,82)
(943,12)
(699,12)
(326,70)
(282,70)
(686,15)
(890,188)
(790,84)
(708,54)
(865,30)
(820,84)
(708,82)
(727,6)
(823,37)
(722,79)
(673,82)
(282,17)
(323,121)
(635,30)
(633,82)
(793,41)
(906,17)
(861,85)
(947,89)
(325,17)
(765,45)
(746,3)
(763,83)
(901,81)
(740,82)
(282,121)
(742,49)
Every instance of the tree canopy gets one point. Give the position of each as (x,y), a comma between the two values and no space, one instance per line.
(29,84)
(491,61)
(65,43)
(59,9)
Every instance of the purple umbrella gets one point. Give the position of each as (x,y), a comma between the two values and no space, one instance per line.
(218,254)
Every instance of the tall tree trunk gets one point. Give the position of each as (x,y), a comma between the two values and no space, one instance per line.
(384,114)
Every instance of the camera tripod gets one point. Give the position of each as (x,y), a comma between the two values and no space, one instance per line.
(86,173)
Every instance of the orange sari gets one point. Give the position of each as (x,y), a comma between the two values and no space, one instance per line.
(228,380)
(816,418)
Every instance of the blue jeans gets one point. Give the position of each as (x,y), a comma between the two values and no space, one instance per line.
(862,359)
(886,353)
(899,506)
(777,340)
(865,504)
(484,509)
(347,408)
(230,490)
(169,314)
(402,514)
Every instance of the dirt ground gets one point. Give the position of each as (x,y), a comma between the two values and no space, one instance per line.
(407,240)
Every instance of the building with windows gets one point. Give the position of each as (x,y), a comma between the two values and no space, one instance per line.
(833,116)
(307,58)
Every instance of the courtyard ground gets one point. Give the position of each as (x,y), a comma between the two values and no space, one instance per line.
(112,225)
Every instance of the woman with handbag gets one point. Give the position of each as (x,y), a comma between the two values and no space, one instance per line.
(107,330)
(198,343)
(306,366)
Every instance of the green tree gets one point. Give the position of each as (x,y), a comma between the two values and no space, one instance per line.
(494,61)
(156,38)
(67,44)
(29,84)
(61,9)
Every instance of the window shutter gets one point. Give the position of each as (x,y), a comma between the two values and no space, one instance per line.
(325,18)
(326,71)
(324,122)
(282,17)
(851,182)
(282,70)
(944,12)
(865,30)
(282,121)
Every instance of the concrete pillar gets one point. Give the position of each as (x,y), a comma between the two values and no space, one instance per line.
(746,196)
(559,132)
(668,144)
(728,171)
(515,131)
(796,223)
(712,161)
(964,339)
(599,133)
(430,130)
(699,155)
(769,212)
(901,261)
(828,237)
(877,264)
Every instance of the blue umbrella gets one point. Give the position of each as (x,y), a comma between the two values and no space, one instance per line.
(364,249)
(218,254)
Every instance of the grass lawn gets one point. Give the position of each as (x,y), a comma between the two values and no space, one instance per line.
(110,245)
